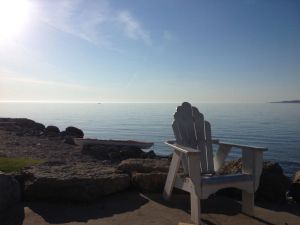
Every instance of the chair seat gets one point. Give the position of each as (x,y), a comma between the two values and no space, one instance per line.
(223,179)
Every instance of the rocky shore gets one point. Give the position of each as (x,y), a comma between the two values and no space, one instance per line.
(72,171)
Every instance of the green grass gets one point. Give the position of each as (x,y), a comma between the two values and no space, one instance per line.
(16,164)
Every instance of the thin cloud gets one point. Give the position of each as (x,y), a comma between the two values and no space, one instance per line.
(133,28)
(10,76)
(92,21)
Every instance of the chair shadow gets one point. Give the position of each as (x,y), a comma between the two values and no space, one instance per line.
(58,213)
(216,205)
(105,207)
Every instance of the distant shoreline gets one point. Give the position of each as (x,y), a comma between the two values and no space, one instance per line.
(292,101)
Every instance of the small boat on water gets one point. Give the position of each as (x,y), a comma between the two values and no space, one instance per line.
(138,144)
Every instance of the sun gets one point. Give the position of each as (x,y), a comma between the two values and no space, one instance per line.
(14,15)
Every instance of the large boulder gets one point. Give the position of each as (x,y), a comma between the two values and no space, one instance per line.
(273,184)
(144,165)
(147,175)
(74,132)
(81,182)
(39,127)
(8,124)
(29,124)
(295,187)
(10,192)
(22,126)
(52,131)
(113,152)
(25,123)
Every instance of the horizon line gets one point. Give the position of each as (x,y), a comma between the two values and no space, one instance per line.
(117,102)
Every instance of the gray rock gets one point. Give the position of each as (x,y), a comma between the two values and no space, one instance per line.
(69,140)
(74,132)
(149,182)
(52,131)
(295,187)
(22,126)
(81,182)
(39,127)
(10,192)
(112,152)
(23,122)
(273,183)
(63,134)
(150,155)
(144,165)
(147,175)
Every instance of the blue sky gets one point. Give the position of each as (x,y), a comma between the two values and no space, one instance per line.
(150,51)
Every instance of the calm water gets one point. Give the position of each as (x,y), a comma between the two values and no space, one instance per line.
(275,126)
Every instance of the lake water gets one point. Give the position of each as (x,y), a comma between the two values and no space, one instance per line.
(275,126)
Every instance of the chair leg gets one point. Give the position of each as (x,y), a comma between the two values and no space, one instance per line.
(195,208)
(171,175)
(248,203)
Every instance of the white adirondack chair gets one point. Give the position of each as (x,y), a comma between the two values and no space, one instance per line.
(193,148)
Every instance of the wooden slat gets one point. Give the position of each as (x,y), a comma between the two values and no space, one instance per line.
(209,148)
(223,179)
(195,193)
(200,138)
(183,149)
(183,184)
(220,156)
(179,139)
(185,125)
(252,162)
(248,203)
(243,146)
(176,132)
(184,130)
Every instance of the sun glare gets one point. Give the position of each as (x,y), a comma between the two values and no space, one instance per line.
(14,15)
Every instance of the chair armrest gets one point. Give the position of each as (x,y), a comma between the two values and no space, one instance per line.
(181,148)
(246,147)
(224,149)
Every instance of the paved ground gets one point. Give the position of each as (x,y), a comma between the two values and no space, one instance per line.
(132,208)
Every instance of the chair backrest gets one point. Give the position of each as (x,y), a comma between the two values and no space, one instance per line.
(191,130)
